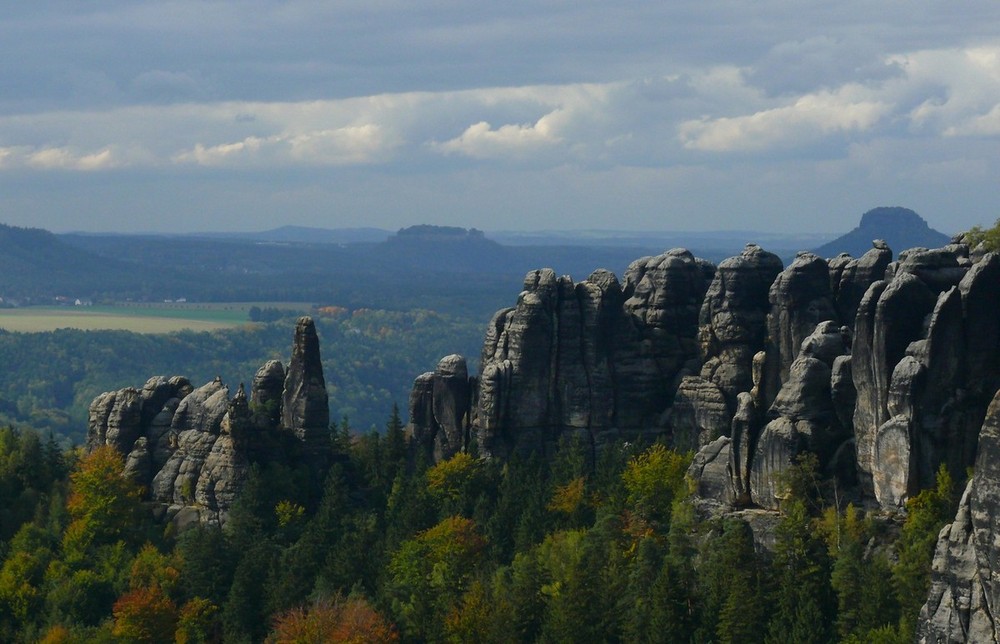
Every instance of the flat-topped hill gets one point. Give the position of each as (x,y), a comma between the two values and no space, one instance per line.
(900,228)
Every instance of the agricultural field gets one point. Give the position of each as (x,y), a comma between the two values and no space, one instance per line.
(164,317)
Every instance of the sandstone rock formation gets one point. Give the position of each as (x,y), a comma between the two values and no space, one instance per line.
(883,369)
(441,407)
(596,359)
(965,579)
(804,416)
(192,448)
(305,409)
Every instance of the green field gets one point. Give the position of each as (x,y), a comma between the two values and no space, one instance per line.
(138,318)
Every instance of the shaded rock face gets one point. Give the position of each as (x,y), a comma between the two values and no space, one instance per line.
(881,369)
(441,408)
(800,299)
(192,448)
(965,580)
(266,394)
(732,329)
(596,359)
(850,283)
(733,320)
(804,417)
(925,366)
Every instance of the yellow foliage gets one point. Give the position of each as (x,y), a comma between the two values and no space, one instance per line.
(569,498)
(288,513)
(653,479)
(449,478)
(57,634)
(153,568)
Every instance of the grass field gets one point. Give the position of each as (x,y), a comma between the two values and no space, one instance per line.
(139,318)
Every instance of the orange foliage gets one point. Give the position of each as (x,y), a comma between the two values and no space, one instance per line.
(145,615)
(103,503)
(350,620)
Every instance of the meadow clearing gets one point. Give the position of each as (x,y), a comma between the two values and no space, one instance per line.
(138,318)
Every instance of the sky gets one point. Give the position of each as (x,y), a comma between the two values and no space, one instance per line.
(777,116)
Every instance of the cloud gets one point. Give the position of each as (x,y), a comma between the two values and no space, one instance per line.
(671,119)
(355,145)
(56,158)
(805,120)
(481,141)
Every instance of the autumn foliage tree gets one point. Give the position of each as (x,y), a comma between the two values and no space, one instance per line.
(103,503)
(351,620)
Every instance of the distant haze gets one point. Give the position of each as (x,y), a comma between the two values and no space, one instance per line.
(788,117)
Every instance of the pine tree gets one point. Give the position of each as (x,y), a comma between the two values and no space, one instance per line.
(732,587)
(803,595)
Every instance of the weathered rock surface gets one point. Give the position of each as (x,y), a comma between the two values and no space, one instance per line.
(925,365)
(804,416)
(699,414)
(192,448)
(965,578)
(594,359)
(855,277)
(732,330)
(265,395)
(800,298)
(733,320)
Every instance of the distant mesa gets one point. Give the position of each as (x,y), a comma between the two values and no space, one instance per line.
(427,232)
(901,228)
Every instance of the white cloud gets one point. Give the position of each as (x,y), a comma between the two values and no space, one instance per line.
(805,120)
(67,159)
(351,145)
(985,125)
(481,141)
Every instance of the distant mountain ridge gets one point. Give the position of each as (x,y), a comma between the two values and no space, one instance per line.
(901,228)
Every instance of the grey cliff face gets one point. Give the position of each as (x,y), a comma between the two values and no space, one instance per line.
(881,369)
(803,416)
(800,298)
(732,330)
(854,279)
(594,359)
(965,578)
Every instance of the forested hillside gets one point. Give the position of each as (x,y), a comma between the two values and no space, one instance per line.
(380,550)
